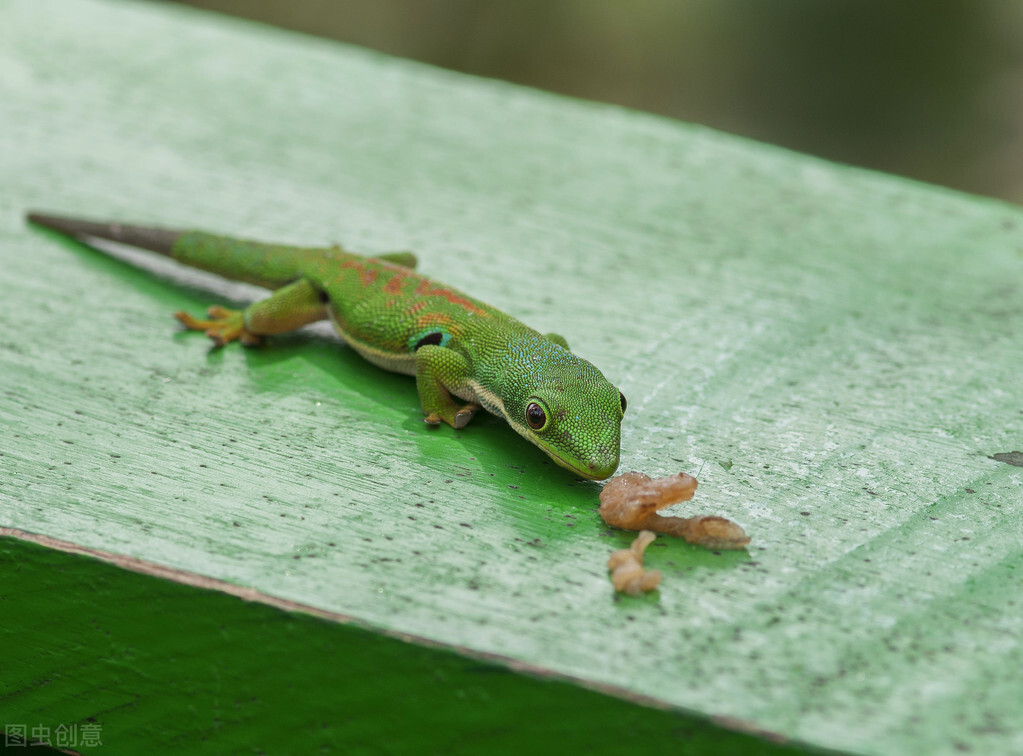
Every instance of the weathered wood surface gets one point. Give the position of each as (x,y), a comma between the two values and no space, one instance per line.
(835,354)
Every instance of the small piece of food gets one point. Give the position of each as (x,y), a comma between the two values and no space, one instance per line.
(626,565)
(635,493)
(631,500)
(706,530)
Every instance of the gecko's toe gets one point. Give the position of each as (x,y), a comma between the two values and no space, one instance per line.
(462,418)
(187,320)
(216,337)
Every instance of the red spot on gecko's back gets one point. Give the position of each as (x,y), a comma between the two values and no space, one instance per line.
(426,290)
(395,283)
(365,273)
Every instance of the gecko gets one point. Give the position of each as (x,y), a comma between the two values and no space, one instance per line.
(464,354)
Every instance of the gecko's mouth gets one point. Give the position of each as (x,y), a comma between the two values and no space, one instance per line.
(590,472)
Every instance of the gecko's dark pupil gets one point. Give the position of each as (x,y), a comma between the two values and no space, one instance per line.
(624,403)
(535,416)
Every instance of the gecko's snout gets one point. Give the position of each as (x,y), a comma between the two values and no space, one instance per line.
(602,471)
(602,466)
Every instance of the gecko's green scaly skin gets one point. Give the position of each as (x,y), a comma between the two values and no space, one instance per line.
(454,345)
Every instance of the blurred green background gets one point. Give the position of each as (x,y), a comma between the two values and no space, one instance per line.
(931,89)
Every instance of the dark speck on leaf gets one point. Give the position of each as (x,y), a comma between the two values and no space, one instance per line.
(1014,458)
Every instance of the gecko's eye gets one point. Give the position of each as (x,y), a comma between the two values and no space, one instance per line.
(624,403)
(536,418)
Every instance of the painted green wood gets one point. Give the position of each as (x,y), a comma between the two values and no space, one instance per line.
(213,686)
(835,354)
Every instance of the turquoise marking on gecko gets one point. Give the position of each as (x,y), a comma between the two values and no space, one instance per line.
(455,346)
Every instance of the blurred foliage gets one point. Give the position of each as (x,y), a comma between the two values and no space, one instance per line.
(930,89)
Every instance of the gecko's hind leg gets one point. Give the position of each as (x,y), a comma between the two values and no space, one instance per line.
(223,326)
(405,259)
(290,307)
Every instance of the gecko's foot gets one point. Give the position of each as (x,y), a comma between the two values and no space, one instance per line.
(223,326)
(456,417)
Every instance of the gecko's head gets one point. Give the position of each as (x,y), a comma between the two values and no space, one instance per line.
(566,407)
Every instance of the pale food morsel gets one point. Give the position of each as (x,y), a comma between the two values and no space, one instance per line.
(626,565)
(630,501)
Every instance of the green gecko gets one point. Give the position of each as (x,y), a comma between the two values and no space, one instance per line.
(454,345)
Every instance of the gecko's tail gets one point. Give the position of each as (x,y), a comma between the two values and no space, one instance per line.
(159,240)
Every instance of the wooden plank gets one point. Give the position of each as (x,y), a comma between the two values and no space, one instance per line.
(235,677)
(835,354)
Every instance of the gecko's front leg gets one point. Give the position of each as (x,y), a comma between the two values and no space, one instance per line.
(558,339)
(437,368)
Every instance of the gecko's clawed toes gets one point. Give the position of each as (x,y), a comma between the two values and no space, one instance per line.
(250,339)
(462,417)
(187,320)
(222,327)
(216,337)
(456,418)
